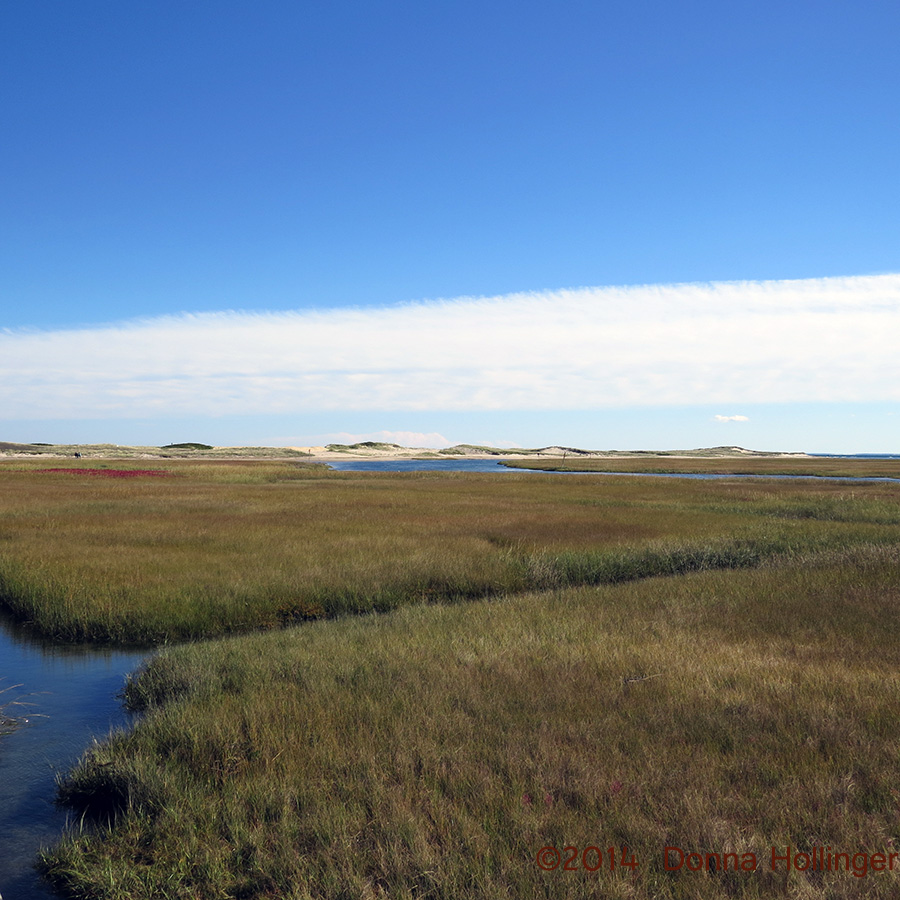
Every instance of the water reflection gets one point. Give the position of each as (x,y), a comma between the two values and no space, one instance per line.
(65,697)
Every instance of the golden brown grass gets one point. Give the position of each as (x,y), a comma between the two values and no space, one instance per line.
(433,751)
(233,546)
(810,466)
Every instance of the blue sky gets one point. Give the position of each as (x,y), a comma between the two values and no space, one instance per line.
(295,222)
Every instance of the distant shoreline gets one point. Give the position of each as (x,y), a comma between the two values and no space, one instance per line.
(370,450)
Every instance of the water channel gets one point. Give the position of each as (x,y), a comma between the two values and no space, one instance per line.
(65,696)
(492,466)
(62,697)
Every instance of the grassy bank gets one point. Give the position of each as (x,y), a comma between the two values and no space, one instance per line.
(813,467)
(217,548)
(433,751)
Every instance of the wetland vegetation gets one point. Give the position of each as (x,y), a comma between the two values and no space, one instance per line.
(753,464)
(709,665)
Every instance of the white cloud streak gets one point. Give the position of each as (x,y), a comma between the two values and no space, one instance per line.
(831,339)
(731,418)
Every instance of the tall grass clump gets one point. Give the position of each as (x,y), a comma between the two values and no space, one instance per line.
(433,751)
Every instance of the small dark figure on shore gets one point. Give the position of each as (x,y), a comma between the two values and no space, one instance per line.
(77,455)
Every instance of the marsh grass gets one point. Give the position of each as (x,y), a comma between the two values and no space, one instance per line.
(432,751)
(226,547)
(709,665)
(832,467)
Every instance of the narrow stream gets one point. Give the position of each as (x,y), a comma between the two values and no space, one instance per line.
(63,696)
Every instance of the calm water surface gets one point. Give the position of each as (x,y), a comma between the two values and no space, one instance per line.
(418,465)
(70,692)
(489,465)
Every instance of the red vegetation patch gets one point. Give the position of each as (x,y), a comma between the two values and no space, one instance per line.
(111,473)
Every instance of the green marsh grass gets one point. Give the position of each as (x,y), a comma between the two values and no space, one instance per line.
(226,547)
(432,751)
(832,467)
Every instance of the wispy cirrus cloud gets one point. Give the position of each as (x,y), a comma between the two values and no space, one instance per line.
(731,418)
(822,340)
